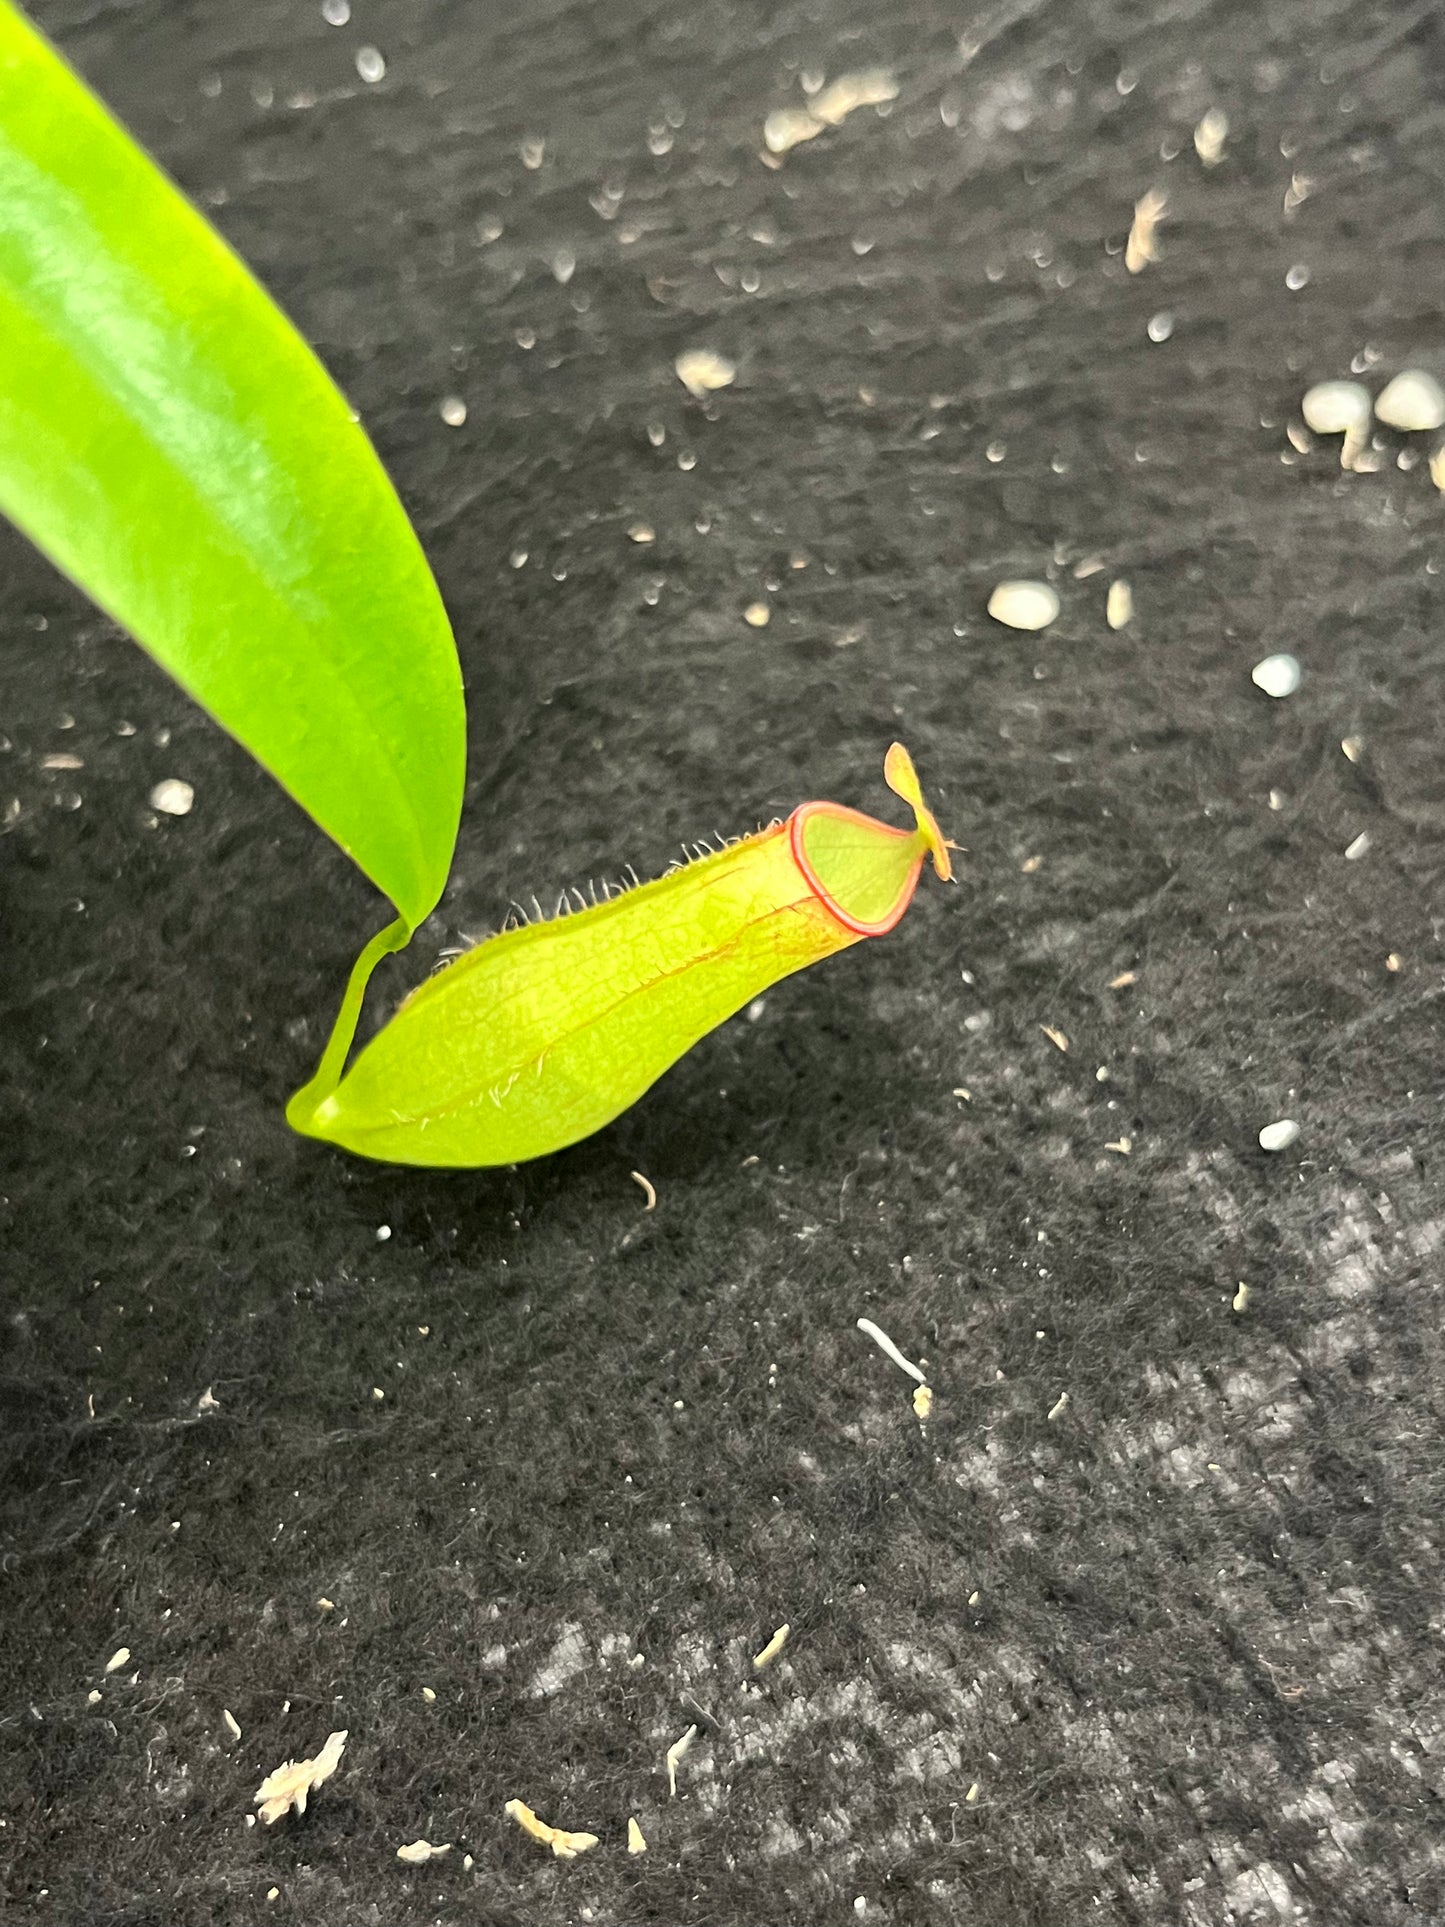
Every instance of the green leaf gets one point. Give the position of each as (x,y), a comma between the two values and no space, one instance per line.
(168,439)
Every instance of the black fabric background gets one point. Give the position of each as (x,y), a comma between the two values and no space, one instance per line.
(1185,1637)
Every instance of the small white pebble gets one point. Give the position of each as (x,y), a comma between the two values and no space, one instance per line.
(700,371)
(757,615)
(417,1852)
(370,65)
(1412,401)
(92,1698)
(173,797)
(383,1233)
(1160,325)
(1119,609)
(336,13)
(1279,1136)
(454,411)
(1353,747)
(1336,407)
(860,1905)
(1357,849)
(1024,605)
(971,1797)
(1140,249)
(534,152)
(1277,676)
(118,1658)
(642,532)
(1297,277)
(429,1695)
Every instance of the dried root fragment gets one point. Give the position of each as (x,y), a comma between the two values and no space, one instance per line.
(292,1784)
(565,1845)
(886,1345)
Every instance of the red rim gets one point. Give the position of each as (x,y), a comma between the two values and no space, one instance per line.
(825,896)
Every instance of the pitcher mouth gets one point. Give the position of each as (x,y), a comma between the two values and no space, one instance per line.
(862,917)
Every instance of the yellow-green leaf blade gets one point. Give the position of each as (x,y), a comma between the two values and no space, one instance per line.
(175,447)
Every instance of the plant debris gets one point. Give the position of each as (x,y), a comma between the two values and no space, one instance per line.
(674,1758)
(885,1344)
(291,1785)
(565,1845)
(774,1646)
(1148,213)
(1210,136)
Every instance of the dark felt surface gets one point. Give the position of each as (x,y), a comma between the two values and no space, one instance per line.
(1184,1638)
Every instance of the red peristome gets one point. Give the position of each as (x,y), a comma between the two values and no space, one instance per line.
(796,824)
